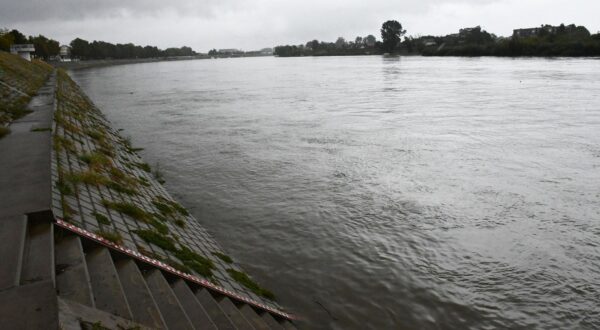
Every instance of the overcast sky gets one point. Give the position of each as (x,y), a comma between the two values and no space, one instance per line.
(248,25)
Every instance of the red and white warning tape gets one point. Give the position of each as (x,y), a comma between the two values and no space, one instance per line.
(165,267)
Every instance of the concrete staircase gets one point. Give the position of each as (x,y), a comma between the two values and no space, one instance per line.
(115,284)
(58,279)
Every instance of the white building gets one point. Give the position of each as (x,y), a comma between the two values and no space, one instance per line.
(65,53)
(23,50)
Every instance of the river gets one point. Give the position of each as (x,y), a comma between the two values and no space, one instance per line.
(385,192)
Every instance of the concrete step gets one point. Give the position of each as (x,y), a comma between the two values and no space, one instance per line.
(270,321)
(172,312)
(31,306)
(142,305)
(72,278)
(257,322)
(38,252)
(192,307)
(74,316)
(106,286)
(213,308)
(234,313)
(12,240)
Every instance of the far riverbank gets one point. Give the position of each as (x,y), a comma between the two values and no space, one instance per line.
(75,65)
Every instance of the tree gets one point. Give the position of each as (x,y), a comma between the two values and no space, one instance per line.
(391,32)
(44,47)
(80,48)
(370,40)
(6,39)
(18,37)
(358,41)
(340,42)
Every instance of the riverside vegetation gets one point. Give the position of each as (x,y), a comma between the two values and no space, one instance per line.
(48,48)
(19,81)
(547,40)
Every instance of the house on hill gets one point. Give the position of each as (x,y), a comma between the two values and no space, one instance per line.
(23,50)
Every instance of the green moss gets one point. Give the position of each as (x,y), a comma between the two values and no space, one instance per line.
(159,226)
(223,257)
(198,263)
(143,181)
(246,281)
(179,223)
(143,166)
(168,206)
(95,160)
(102,219)
(128,209)
(156,238)
(180,267)
(41,129)
(149,254)
(163,208)
(95,134)
(63,187)
(116,186)
(88,177)
(111,235)
(61,143)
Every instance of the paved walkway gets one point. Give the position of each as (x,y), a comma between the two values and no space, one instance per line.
(25,184)
(25,187)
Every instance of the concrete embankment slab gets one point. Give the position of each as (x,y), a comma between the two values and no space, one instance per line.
(25,184)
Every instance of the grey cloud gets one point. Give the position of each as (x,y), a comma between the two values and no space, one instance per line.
(51,10)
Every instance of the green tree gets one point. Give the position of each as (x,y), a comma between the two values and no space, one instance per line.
(18,37)
(369,40)
(391,32)
(80,48)
(6,39)
(44,47)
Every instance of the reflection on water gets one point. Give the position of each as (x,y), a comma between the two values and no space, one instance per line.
(378,192)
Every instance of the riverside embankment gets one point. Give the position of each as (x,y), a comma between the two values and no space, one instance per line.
(98,194)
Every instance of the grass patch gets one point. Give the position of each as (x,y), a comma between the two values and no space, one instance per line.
(223,257)
(179,223)
(193,260)
(116,186)
(102,219)
(87,177)
(143,166)
(158,239)
(95,160)
(41,129)
(128,209)
(61,143)
(95,134)
(169,206)
(179,266)
(159,226)
(163,208)
(63,187)
(111,235)
(246,281)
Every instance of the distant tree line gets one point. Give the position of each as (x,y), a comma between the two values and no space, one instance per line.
(563,40)
(44,47)
(48,48)
(103,50)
